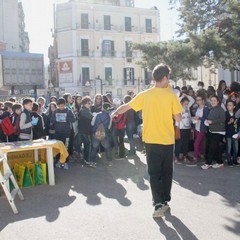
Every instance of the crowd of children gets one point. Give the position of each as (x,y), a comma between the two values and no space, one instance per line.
(209,127)
(83,124)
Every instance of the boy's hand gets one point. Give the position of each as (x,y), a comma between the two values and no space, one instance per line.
(34,121)
(113,115)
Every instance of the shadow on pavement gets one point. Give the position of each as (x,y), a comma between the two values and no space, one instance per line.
(131,168)
(93,182)
(224,181)
(39,201)
(178,231)
(46,201)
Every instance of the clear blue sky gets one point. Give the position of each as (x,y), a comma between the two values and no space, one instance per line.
(39,21)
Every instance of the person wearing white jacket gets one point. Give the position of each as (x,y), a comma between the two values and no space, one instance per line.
(182,145)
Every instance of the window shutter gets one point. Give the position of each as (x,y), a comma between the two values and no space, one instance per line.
(112,49)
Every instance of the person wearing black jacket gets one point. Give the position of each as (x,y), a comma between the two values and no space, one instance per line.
(39,129)
(85,129)
(61,122)
(232,129)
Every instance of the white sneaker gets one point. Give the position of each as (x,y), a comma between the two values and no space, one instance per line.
(65,166)
(92,164)
(206,166)
(159,213)
(217,165)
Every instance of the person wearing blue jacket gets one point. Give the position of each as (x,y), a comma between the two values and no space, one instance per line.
(104,118)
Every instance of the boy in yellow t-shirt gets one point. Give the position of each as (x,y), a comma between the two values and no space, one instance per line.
(159,107)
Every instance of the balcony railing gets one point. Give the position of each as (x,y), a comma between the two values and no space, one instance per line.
(109,53)
(115,28)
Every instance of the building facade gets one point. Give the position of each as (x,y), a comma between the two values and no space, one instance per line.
(12,26)
(93,46)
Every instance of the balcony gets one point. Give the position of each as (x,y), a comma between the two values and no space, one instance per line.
(85,53)
(109,53)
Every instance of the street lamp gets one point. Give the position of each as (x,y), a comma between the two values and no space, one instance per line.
(98,78)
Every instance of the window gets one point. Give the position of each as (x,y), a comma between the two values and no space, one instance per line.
(85,76)
(84,47)
(148,76)
(128,24)
(129,3)
(128,76)
(108,75)
(116,2)
(107,22)
(108,48)
(84,21)
(148,23)
(128,49)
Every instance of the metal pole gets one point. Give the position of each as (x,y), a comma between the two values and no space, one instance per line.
(101,86)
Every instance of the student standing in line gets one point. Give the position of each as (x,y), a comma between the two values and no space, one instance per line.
(232,129)
(182,145)
(61,121)
(216,122)
(26,121)
(201,114)
(159,107)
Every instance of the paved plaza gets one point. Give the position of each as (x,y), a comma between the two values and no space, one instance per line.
(114,203)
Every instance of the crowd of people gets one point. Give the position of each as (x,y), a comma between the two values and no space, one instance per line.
(168,120)
(209,127)
(76,121)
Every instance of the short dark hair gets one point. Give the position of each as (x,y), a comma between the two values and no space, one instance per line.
(86,99)
(12,99)
(201,95)
(215,96)
(127,99)
(35,107)
(161,71)
(27,101)
(184,99)
(200,83)
(231,101)
(66,95)
(16,106)
(61,101)
(7,105)
(53,97)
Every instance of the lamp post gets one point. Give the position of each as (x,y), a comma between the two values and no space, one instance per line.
(101,84)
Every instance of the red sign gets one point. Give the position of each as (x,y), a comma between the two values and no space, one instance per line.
(65,67)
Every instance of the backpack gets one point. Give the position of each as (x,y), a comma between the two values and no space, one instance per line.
(120,122)
(7,127)
(100,133)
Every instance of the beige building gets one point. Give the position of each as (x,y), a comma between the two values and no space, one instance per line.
(92,46)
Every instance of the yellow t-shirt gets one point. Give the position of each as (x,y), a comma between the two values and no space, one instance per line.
(158,106)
